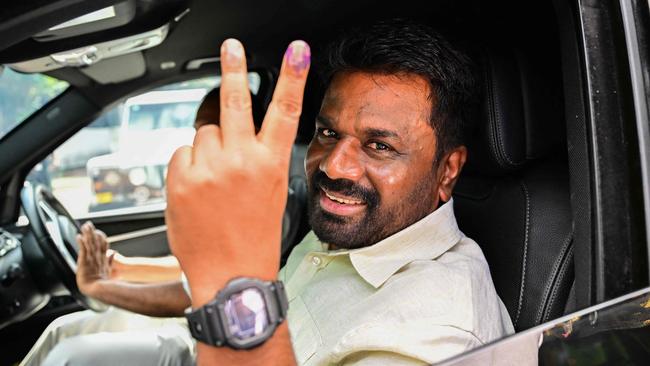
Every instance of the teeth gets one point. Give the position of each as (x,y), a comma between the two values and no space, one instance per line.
(342,200)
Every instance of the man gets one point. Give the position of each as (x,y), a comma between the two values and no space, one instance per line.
(386,277)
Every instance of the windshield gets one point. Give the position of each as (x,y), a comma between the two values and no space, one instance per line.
(23,94)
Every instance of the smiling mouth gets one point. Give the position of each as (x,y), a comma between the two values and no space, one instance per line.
(341,199)
(340,205)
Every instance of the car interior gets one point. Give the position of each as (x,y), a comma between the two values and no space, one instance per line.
(518,197)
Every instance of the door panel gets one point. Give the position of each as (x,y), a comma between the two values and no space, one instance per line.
(151,242)
(135,234)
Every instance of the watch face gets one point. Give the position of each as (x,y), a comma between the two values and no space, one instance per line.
(246,314)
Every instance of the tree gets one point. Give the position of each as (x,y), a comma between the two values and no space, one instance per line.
(23,94)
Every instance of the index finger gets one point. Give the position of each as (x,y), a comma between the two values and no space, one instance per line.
(281,120)
(82,246)
(236,116)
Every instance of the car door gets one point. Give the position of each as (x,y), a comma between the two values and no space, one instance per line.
(612,265)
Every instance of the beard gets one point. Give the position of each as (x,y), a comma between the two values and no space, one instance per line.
(378,221)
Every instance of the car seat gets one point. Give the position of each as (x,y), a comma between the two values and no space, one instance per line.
(513,196)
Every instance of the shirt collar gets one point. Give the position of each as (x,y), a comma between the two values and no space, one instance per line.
(426,239)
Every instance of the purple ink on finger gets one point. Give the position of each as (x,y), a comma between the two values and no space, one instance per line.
(298,56)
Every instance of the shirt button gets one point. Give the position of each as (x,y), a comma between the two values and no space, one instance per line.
(315,260)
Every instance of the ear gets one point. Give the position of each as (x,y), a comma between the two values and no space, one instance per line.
(449,171)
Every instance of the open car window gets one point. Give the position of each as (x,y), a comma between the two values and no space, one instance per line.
(23,94)
(118,163)
(611,333)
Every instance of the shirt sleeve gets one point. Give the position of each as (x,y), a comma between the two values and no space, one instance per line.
(186,285)
(376,358)
(410,343)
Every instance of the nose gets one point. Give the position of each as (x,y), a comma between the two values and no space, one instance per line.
(343,162)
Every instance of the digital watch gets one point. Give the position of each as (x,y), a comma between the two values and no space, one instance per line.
(243,315)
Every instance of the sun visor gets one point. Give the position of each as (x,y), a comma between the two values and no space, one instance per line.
(117,69)
(90,55)
(84,32)
(107,18)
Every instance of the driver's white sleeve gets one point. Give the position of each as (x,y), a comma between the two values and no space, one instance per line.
(186,285)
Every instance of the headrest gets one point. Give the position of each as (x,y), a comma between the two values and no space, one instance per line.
(521,115)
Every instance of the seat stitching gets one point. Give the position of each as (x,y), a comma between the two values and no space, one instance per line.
(491,113)
(493,125)
(525,255)
(550,284)
(497,135)
(565,268)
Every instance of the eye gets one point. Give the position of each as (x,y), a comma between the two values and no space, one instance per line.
(326,132)
(379,146)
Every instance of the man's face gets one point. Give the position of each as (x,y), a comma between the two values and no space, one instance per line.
(370,165)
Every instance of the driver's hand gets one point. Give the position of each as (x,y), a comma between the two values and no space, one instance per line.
(94,261)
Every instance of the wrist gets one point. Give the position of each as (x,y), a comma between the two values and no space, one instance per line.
(94,289)
(242,315)
(204,286)
(276,351)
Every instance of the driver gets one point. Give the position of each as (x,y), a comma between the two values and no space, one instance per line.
(386,276)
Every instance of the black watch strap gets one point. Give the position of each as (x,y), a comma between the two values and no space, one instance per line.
(203,326)
(208,324)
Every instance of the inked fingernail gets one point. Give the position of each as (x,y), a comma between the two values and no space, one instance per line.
(233,51)
(298,56)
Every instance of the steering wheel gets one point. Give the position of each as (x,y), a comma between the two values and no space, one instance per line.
(55,231)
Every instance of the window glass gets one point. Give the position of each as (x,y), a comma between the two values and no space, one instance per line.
(23,94)
(119,161)
(616,332)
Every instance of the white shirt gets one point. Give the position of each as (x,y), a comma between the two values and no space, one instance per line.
(419,296)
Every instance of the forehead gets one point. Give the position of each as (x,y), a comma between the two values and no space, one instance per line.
(400,101)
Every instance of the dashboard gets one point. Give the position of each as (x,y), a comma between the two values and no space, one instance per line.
(20,296)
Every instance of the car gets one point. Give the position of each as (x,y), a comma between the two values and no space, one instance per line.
(556,190)
(99,138)
(153,126)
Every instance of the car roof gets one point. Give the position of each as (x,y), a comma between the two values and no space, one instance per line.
(197,28)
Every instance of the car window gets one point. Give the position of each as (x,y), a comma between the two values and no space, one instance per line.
(615,332)
(23,94)
(119,161)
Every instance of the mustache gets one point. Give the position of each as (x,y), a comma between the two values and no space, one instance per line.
(345,187)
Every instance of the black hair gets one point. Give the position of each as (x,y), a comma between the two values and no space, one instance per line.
(399,47)
(212,96)
(257,106)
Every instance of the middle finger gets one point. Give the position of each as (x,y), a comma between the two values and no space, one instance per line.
(282,118)
(89,238)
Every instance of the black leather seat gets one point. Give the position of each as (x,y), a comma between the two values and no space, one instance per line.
(513,196)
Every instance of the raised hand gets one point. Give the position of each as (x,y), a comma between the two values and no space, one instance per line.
(93,263)
(227,193)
